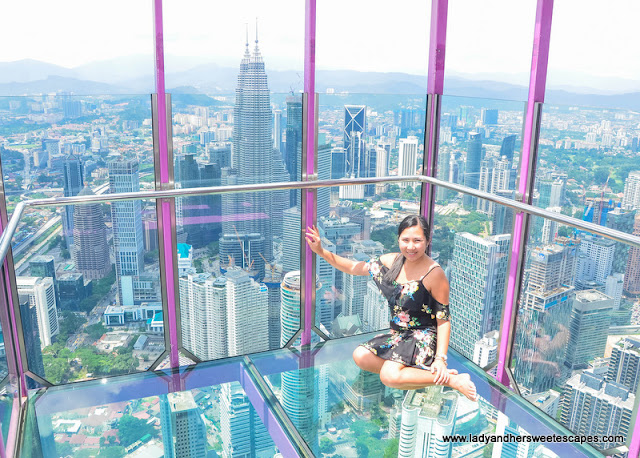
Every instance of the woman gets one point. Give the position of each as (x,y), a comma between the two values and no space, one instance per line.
(414,354)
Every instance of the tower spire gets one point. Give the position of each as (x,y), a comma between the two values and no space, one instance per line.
(256,50)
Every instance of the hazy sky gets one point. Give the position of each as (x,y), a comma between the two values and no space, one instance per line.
(492,37)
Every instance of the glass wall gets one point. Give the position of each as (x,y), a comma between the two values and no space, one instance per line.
(93,309)
(488,52)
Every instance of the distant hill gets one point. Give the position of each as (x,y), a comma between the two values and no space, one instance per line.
(133,75)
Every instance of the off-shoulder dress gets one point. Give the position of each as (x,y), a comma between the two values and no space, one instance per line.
(412,340)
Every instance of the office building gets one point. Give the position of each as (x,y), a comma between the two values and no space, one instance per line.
(485,350)
(243,433)
(513,449)
(184,432)
(508,146)
(588,328)
(478,276)
(73,182)
(354,133)
(632,272)
(32,342)
(42,298)
(427,416)
(91,250)
(126,217)
(601,251)
(472,167)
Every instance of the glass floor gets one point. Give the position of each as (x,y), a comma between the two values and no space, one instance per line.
(282,403)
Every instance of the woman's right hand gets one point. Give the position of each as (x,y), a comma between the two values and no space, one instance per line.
(313,240)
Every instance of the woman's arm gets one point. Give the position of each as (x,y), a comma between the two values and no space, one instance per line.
(342,264)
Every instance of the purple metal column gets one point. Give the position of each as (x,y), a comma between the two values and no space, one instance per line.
(537,83)
(435,85)
(309,89)
(165,179)
(634,446)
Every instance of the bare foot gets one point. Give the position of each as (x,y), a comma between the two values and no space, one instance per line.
(452,371)
(464,385)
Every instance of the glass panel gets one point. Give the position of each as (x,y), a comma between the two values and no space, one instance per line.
(238,264)
(95,311)
(575,343)
(392,59)
(203,48)
(475,259)
(480,145)
(57,61)
(339,409)
(360,136)
(135,415)
(578,31)
(6,410)
(481,61)
(56,145)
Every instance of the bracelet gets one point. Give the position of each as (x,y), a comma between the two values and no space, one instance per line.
(441,358)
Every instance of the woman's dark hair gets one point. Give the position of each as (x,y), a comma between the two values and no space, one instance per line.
(409,221)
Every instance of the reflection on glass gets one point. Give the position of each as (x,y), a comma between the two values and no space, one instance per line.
(570,348)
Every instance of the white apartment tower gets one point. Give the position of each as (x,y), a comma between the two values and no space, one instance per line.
(184,433)
(631,198)
(407,157)
(42,297)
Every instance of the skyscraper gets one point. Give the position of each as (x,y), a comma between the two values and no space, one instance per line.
(277,129)
(507,147)
(588,328)
(243,433)
(304,391)
(355,130)
(91,251)
(203,309)
(407,158)
(184,433)
(254,160)
(293,147)
(42,298)
(543,322)
(478,275)
(601,251)
(29,320)
(621,220)
(427,416)
(73,182)
(472,167)
(127,228)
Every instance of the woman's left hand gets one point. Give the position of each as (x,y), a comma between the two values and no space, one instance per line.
(439,369)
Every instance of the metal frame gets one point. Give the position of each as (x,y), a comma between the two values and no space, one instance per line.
(528,157)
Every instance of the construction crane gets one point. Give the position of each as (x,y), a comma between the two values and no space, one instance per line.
(248,262)
(272,267)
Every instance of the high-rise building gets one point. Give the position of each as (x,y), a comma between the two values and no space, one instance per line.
(594,407)
(376,309)
(427,416)
(277,129)
(126,218)
(44,266)
(507,147)
(29,320)
(243,433)
(601,251)
(621,220)
(443,172)
(551,193)
(354,289)
(486,349)
(203,309)
(254,161)
(613,288)
(184,433)
(489,116)
(323,206)
(382,168)
(494,177)
(91,250)
(407,158)
(304,391)
(512,449)
(478,275)
(42,297)
(588,328)
(73,182)
(472,167)
(293,147)
(624,364)
(544,316)
(631,197)
(246,297)
(355,130)
(632,272)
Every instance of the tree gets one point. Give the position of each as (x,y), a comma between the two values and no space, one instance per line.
(131,429)
(327,446)
(392,448)
(96,331)
(112,452)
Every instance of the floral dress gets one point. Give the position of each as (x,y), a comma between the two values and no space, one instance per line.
(412,340)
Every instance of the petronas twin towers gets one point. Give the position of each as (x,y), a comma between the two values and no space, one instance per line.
(251,220)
